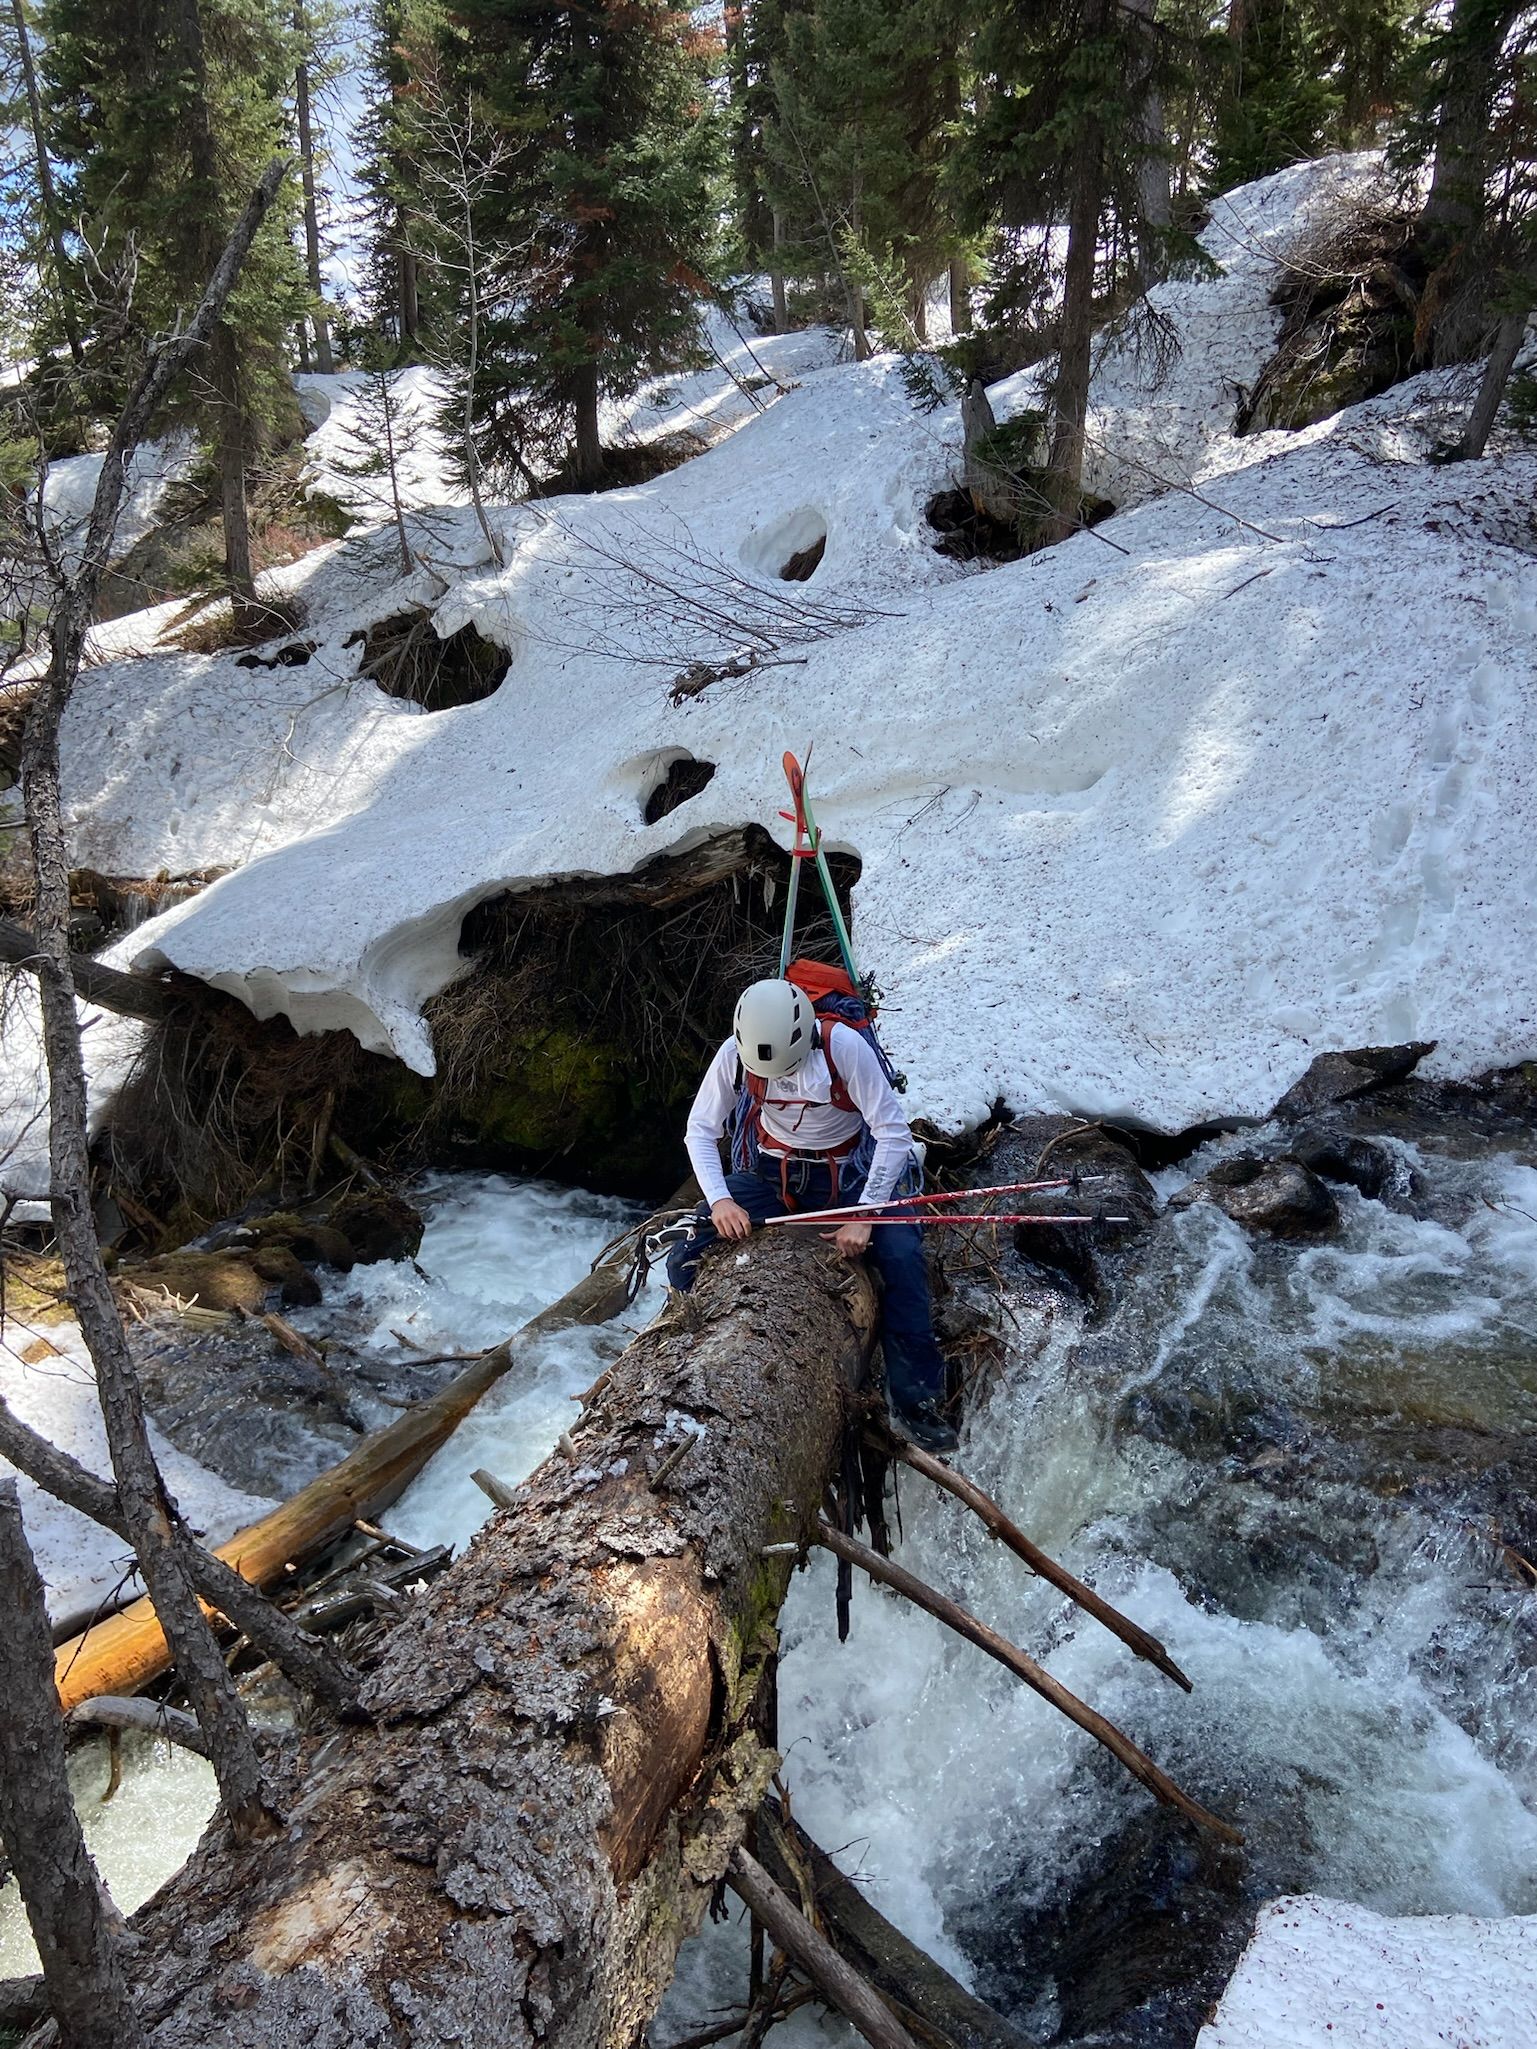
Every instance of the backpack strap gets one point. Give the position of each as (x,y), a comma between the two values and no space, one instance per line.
(839,1095)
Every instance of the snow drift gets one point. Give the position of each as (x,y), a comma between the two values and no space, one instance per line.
(1146,821)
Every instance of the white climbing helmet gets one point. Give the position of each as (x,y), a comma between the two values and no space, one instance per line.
(774,1027)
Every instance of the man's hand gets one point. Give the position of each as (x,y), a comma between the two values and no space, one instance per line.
(730,1219)
(850,1239)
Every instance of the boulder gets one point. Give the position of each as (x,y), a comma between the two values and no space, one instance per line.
(378,1226)
(1341,1077)
(1280,1198)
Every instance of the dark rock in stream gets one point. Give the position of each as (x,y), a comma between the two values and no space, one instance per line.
(1281,1197)
(1337,1155)
(1091,1257)
(1341,1077)
(1139,1950)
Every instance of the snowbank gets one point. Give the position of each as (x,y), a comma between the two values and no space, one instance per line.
(1146,821)
(1167,381)
(1323,1974)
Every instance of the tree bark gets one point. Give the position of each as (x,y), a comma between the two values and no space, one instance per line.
(410,298)
(1070,392)
(322,327)
(224,361)
(558,1762)
(587,465)
(1454,205)
(777,277)
(1508,337)
(47,196)
(77,1934)
(960,295)
(803,1941)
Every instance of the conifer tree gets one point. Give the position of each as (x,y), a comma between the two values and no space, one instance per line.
(852,135)
(1061,139)
(166,111)
(399,46)
(602,216)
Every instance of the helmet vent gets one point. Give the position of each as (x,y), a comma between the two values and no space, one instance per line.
(765,1051)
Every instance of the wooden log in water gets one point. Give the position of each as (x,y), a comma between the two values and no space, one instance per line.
(128,1650)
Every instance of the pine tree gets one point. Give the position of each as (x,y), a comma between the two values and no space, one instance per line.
(1305,76)
(166,113)
(852,134)
(1061,138)
(602,216)
(50,218)
(399,45)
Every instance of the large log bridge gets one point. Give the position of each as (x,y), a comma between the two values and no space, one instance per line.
(557,1762)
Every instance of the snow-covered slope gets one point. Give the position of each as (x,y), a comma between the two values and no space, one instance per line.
(1146,821)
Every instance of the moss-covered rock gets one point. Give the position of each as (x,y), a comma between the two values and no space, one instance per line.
(211,1280)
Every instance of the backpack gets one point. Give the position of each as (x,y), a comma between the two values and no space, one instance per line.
(835,1000)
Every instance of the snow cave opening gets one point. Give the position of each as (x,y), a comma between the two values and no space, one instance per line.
(407,657)
(569,1047)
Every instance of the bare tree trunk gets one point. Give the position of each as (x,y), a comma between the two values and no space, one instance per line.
(960,295)
(141,996)
(78,1934)
(410,302)
(1070,392)
(1155,207)
(777,277)
(558,1760)
(1454,205)
(323,359)
(1508,337)
(47,197)
(587,467)
(159,1537)
(239,574)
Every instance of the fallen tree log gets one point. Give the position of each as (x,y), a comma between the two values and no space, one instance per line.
(128,1650)
(558,1764)
(150,998)
(932,2005)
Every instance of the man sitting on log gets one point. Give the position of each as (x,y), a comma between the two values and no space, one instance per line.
(815,1124)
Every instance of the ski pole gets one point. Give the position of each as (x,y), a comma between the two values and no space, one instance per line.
(948,1217)
(860,1209)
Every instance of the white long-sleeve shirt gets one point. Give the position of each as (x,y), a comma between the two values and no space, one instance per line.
(798,1112)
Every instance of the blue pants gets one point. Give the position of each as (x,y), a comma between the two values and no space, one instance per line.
(915,1366)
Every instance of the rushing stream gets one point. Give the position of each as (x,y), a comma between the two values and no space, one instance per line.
(1296,1465)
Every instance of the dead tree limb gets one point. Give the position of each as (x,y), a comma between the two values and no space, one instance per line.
(78,1935)
(557,1761)
(955,1617)
(148,1717)
(810,1949)
(1045,1567)
(934,2006)
(147,997)
(160,1540)
(276,1635)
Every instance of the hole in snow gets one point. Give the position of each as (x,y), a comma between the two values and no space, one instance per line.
(406,657)
(684,778)
(790,548)
(804,564)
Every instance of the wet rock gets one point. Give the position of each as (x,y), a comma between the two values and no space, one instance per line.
(1341,1077)
(1112,1184)
(211,1280)
(378,1226)
(260,1418)
(278,1265)
(1359,1163)
(1282,1198)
